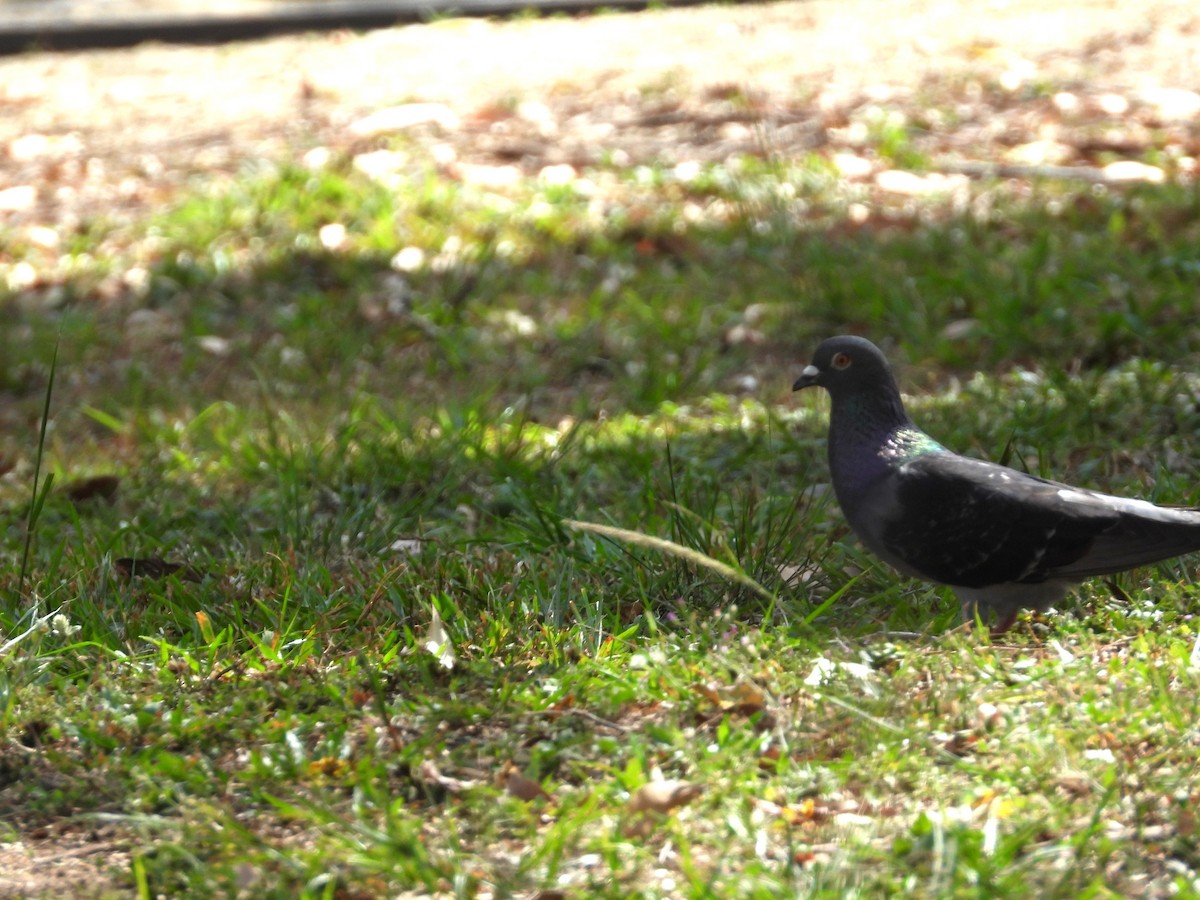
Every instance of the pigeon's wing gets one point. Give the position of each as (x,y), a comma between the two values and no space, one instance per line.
(1143,533)
(966,522)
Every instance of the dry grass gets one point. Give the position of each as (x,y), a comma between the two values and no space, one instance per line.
(130,128)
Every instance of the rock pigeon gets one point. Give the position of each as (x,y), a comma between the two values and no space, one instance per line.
(1002,539)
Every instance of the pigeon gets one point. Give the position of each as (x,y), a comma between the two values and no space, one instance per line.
(1003,540)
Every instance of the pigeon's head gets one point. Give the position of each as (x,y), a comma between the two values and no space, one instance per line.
(846,365)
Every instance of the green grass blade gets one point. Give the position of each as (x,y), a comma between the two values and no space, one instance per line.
(40,491)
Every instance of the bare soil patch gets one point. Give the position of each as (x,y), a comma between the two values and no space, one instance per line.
(70,866)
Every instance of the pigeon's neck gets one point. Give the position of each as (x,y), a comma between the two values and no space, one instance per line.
(869,434)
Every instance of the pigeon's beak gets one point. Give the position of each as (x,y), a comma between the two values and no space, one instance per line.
(807,378)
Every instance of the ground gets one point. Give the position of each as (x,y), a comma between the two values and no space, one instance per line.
(127,129)
(116,134)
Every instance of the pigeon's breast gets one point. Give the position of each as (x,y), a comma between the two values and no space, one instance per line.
(875,517)
(865,487)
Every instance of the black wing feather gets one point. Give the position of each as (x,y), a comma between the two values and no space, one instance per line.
(971,523)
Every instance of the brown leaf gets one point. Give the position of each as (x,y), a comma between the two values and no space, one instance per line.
(1185,822)
(521,786)
(663,796)
(99,487)
(743,696)
(630,611)
(655,800)
(710,692)
(154,567)
(808,810)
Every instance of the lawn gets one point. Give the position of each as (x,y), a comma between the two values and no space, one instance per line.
(297,601)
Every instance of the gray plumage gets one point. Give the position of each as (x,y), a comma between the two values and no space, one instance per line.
(1002,539)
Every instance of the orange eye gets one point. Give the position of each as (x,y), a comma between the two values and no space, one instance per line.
(841,360)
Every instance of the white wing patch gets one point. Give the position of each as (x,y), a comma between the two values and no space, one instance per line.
(1071,496)
(1128,506)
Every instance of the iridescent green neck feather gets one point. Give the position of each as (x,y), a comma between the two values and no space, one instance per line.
(870,432)
(908,443)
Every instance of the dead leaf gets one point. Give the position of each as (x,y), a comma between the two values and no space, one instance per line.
(523,787)
(743,696)
(807,811)
(743,335)
(910,184)
(154,567)
(769,758)
(328,767)
(793,575)
(1127,170)
(1185,822)
(99,487)
(429,773)
(663,796)
(630,611)
(404,117)
(655,800)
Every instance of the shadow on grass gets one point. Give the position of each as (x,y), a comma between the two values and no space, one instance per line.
(477,385)
(576,317)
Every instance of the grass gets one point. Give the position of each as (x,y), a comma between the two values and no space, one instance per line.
(392,664)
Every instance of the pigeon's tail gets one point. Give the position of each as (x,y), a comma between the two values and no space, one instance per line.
(1143,533)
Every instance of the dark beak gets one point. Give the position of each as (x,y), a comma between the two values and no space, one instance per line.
(810,376)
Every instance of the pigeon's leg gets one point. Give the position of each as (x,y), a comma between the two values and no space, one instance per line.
(974,612)
(999,618)
(1005,623)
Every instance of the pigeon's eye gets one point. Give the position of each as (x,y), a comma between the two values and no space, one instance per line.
(841,360)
